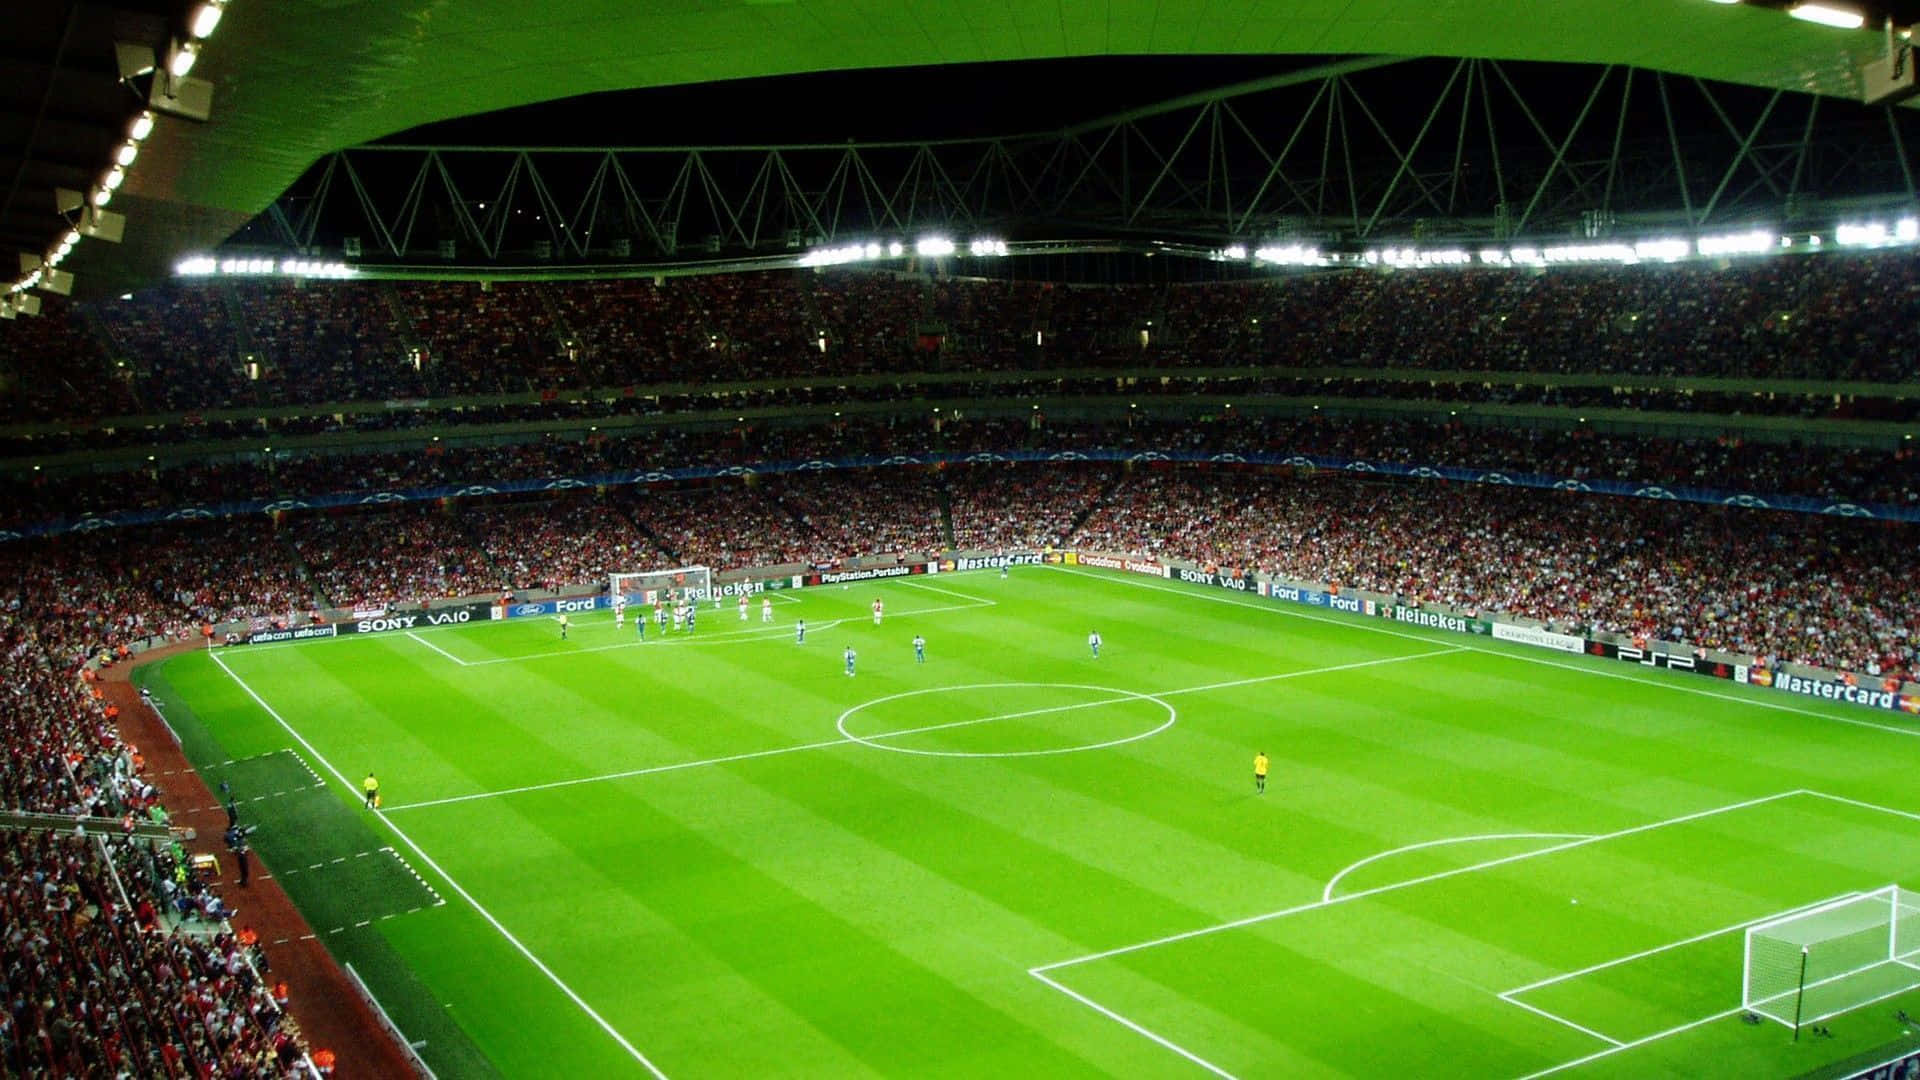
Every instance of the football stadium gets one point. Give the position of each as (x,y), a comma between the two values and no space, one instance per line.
(1084,538)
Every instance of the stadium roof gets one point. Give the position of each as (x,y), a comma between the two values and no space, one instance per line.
(295,82)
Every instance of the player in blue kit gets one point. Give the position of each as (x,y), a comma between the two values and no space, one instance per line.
(851,655)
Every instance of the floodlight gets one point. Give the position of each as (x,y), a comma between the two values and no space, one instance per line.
(1828,15)
(933,246)
(1663,248)
(114,178)
(1757,242)
(142,127)
(127,152)
(1906,230)
(896,249)
(102,196)
(180,60)
(207,18)
(1868,235)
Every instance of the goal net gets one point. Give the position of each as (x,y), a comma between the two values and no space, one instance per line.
(647,586)
(1810,965)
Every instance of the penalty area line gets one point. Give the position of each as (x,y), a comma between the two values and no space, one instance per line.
(1132,1025)
(437,649)
(1441,875)
(453,883)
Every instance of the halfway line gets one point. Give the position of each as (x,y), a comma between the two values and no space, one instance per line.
(844,741)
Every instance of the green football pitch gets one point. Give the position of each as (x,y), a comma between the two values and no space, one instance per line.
(716,854)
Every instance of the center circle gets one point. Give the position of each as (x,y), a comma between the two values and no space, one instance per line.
(1110,696)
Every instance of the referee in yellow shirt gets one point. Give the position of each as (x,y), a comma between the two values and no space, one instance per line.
(1260,772)
(372,788)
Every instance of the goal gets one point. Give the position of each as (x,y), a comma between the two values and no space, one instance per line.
(1810,965)
(646,586)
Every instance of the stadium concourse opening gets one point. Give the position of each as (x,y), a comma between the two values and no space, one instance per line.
(846,543)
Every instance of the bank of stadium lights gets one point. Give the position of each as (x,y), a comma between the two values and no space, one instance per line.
(930,247)
(1878,234)
(262,266)
(90,205)
(1834,15)
(1287,255)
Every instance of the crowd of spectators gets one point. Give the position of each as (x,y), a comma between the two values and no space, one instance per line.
(1830,317)
(1807,588)
(870,512)
(721,526)
(1856,474)
(405,555)
(1794,588)
(1012,506)
(328,342)
(119,956)
(554,543)
(479,338)
(100,983)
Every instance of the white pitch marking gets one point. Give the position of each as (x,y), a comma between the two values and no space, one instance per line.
(1358,624)
(978,601)
(1327,893)
(1642,1041)
(1437,876)
(1558,1019)
(518,945)
(1117,1018)
(651,769)
(1644,953)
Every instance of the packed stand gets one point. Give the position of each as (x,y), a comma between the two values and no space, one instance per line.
(552,544)
(99,985)
(403,556)
(632,330)
(183,346)
(115,587)
(872,512)
(1856,474)
(1833,316)
(482,339)
(1793,588)
(723,526)
(327,342)
(1010,506)
(53,365)
(118,956)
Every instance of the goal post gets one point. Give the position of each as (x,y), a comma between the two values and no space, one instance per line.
(1808,966)
(646,586)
